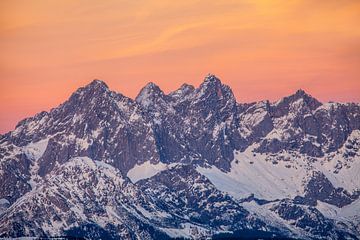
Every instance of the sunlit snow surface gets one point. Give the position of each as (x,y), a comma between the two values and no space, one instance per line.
(145,170)
(251,174)
(259,174)
(350,212)
(187,231)
(34,152)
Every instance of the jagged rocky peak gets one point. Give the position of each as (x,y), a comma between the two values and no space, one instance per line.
(300,101)
(300,94)
(78,101)
(97,83)
(197,153)
(151,88)
(92,90)
(183,91)
(309,100)
(95,86)
(96,98)
(211,80)
(149,95)
(186,88)
(213,88)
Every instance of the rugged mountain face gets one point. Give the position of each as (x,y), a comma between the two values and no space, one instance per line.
(194,125)
(94,122)
(193,163)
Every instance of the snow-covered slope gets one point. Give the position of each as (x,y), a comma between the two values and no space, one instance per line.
(193,163)
(145,170)
(258,175)
(271,177)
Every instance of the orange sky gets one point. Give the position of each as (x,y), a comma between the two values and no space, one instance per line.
(263,49)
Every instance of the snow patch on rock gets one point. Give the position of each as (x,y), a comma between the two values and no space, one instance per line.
(145,170)
(35,150)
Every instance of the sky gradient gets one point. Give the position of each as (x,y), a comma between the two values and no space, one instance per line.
(263,49)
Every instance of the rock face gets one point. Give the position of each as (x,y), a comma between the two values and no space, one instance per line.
(205,166)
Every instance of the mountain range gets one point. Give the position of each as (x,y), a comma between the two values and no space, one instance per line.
(193,163)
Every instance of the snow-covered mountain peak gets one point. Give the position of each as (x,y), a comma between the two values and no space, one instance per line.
(195,157)
(299,94)
(213,90)
(182,92)
(310,101)
(149,95)
(298,103)
(210,82)
(150,87)
(94,86)
(93,92)
(211,78)
(186,87)
(96,83)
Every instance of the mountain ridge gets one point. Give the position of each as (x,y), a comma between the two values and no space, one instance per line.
(259,164)
(102,83)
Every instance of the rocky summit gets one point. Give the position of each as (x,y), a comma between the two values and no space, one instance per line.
(191,164)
